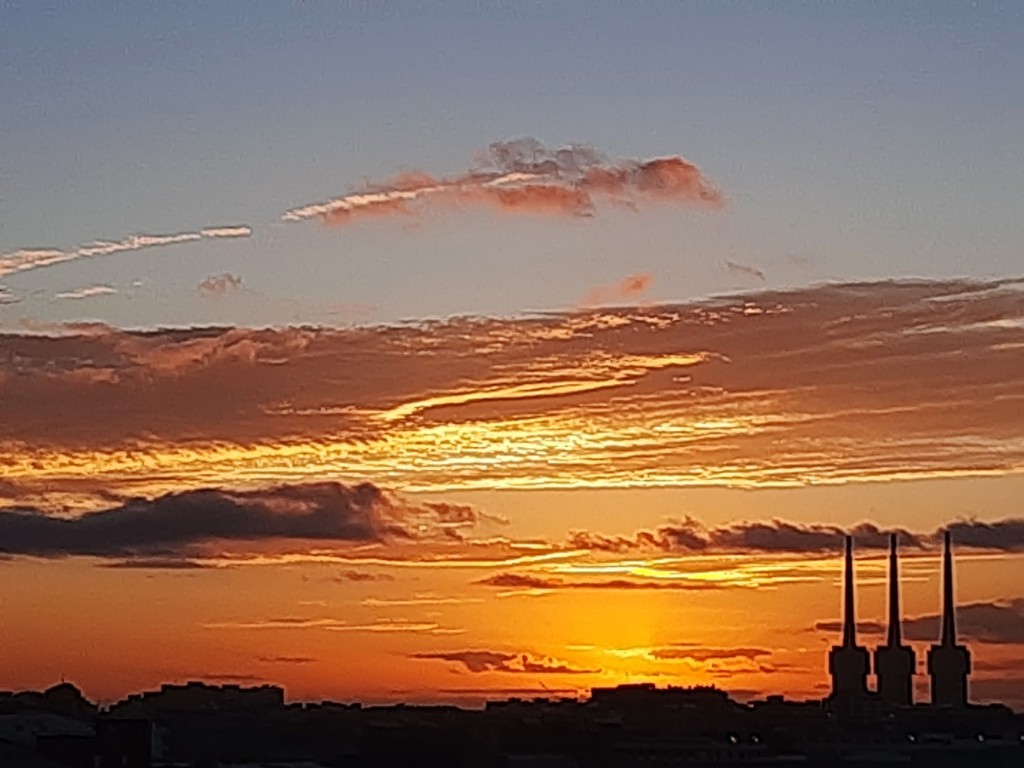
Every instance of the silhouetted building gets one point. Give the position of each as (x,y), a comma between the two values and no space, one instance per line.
(948,663)
(848,663)
(894,662)
(123,743)
(198,696)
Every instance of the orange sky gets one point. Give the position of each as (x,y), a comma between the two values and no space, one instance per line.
(439,510)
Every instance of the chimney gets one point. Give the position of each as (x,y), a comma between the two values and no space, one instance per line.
(949,664)
(848,663)
(948,607)
(849,614)
(895,662)
(894,640)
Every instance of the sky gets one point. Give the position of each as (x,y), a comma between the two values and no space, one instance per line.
(452,350)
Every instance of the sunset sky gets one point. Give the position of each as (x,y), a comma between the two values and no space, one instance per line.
(446,351)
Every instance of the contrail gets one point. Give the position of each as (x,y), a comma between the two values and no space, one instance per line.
(87,292)
(35,258)
(524,176)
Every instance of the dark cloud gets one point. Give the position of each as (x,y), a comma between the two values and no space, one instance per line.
(684,651)
(743,270)
(361,576)
(998,623)
(1007,535)
(153,563)
(176,523)
(690,535)
(522,581)
(216,286)
(478,661)
(493,693)
(864,627)
(287,659)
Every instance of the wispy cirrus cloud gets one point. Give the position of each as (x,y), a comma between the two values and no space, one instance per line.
(7,297)
(290,623)
(524,176)
(815,385)
(87,292)
(25,259)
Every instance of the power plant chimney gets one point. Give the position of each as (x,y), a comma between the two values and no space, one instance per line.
(848,663)
(894,662)
(949,664)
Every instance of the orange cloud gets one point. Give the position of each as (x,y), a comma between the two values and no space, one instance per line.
(777,388)
(523,176)
(630,287)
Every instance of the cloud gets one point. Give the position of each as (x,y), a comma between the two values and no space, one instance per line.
(864,627)
(546,692)
(7,298)
(477,661)
(1007,535)
(362,576)
(156,563)
(523,176)
(810,386)
(415,600)
(87,292)
(182,523)
(630,287)
(685,652)
(528,582)
(999,622)
(215,286)
(691,535)
(287,659)
(387,626)
(35,258)
(742,270)
(226,677)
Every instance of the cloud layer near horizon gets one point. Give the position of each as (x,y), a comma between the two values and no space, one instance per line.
(826,384)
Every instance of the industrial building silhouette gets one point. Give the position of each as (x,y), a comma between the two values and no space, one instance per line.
(849,664)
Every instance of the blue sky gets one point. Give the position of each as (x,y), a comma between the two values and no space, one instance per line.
(853,141)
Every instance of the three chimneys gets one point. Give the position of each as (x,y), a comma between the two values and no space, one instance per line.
(948,663)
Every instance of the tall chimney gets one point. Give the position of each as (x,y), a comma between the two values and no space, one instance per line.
(848,663)
(949,664)
(895,662)
(849,614)
(894,640)
(948,607)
